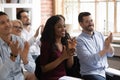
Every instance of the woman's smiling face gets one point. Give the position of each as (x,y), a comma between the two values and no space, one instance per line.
(60,28)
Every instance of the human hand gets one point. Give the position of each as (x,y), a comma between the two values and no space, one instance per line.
(72,43)
(108,40)
(14,46)
(37,32)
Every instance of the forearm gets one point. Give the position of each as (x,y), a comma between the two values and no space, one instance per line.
(109,50)
(52,65)
(102,52)
(70,62)
(30,67)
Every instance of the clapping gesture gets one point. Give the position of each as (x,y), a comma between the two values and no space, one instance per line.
(108,40)
(69,51)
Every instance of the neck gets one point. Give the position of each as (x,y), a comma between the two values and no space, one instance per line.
(6,38)
(27,27)
(88,32)
(58,40)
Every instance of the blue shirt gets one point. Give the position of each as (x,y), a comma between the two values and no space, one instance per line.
(87,49)
(10,70)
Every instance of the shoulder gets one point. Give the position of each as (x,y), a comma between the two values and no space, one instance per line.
(99,34)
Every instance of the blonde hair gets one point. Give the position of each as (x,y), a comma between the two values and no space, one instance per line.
(18,21)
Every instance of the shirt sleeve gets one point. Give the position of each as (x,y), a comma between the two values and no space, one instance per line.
(85,55)
(31,64)
(32,40)
(5,68)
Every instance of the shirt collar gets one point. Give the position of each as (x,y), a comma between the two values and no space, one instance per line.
(1,41)
(87,35)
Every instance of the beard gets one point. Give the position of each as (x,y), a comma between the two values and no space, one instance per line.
(89,28)
(26,24)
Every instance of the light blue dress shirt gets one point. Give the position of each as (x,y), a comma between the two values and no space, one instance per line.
(10,70)
(87,50)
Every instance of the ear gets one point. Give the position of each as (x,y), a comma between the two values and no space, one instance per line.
(81,24)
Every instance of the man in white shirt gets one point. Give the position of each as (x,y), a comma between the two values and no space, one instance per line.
(28,34)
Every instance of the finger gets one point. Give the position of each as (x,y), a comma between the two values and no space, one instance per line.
(64,48)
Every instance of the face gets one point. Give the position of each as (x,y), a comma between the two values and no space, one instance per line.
(60,28)
(5,25)
(87,24)
(17,28)
(25,18)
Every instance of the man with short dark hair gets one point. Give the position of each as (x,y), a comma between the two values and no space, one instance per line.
(13,49)
(28,34)
(92,50)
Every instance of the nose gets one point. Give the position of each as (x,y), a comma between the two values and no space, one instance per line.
(63,28)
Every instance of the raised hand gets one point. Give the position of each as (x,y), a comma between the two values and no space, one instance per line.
(37,32)
(14,46)
(65,54)
(108,40)
(72,43)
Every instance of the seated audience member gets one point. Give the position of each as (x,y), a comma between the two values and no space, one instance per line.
(28,33)
(28,72)
(92,50)
(56,50)
(12,50)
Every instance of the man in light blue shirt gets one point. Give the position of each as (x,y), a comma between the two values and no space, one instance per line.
(12,50)
(92,50)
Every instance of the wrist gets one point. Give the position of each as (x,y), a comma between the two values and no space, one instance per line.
(25,62)
(13,55)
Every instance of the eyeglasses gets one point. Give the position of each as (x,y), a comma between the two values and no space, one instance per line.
(18,27)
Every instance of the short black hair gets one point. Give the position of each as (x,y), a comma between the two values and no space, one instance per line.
(81,15)
(19,13)
(2,13)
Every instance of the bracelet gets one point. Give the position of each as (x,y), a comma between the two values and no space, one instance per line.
(13,55)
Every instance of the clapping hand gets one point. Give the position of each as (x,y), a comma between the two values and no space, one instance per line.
(72,43)
(14,46)
(71,46)
(108,40)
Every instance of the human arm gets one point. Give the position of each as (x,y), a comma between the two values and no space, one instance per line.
(89,49)
(71,45)
(67,54)
(52,65)
(37,32)
(7,62)
(48,60)
(27,59)
(107,47)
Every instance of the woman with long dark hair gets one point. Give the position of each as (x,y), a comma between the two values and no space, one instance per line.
(57,50)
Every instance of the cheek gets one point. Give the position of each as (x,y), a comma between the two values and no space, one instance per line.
(57,32)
